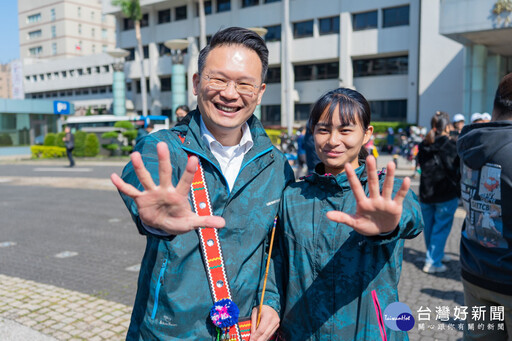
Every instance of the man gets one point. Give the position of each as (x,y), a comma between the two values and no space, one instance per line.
(245,175)
(486,243)
(69,142)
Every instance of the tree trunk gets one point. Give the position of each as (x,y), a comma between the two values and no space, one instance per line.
(143,90)
(202,26)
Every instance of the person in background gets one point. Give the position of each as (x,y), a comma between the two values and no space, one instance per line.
(181,112)
(439,189)
(476,118)
(69,142)
(301,152)
(485,151)
(312,158)
(458,123)
(486,117)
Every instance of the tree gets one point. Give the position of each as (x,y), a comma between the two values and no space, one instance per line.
(131,10)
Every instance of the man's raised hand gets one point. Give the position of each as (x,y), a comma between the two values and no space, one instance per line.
(165,207)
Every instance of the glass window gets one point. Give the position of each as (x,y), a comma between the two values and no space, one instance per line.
(396,16)
(145,51)
(303,29)
(104,33)
(35,51)
(104,48)
(164,16)
(302,111)
(329,25)
(34,18)
(128,24)
(207,8)
(381,66)
(274,75)
(364,21)
(271,114)
(129,86)
(92,15)
(316,71)
(52,14)
(181,13)
(165,83)
(392,110)
(93,48)
(54,31)
(131,55)
(93,32)
(273,33)
(249,3)
(144,22)
(223,5)
(79,28)
(269,1)
(34,34)
(54,48)
(79,11)
(163,50)
(137,82)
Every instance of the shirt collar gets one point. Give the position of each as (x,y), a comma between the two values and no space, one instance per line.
(246,140)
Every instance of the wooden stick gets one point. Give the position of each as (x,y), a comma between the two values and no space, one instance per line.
(266,271)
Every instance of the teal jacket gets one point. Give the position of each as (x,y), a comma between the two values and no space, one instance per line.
(328,270)
(173,298)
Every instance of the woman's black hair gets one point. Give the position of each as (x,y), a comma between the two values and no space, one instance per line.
(438,124)
(352,106)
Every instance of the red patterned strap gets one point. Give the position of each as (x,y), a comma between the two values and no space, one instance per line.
(212,254)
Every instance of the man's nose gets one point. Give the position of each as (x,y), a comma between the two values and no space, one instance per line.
(230,90)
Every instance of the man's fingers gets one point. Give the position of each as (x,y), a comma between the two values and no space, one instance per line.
(254,320)
(212,221)
(187,177)
(122,186)
(373,179)
(142,173)
(355,184)
(164,164)
(387,187)
(341,217)
(402,192)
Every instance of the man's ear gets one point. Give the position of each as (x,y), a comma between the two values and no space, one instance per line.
(261,91)
(195,80)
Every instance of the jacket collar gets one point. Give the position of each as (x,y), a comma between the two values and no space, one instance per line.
(320,177)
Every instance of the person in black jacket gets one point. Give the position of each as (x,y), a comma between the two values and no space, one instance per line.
(439,189)
(485,150)
(69,142)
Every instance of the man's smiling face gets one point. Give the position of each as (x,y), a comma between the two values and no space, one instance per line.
(225,111)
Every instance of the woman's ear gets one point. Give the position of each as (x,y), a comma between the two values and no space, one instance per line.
(368,134)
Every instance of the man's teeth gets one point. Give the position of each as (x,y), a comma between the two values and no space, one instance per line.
(228,109)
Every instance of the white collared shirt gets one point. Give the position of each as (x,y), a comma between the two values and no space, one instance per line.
(230,157)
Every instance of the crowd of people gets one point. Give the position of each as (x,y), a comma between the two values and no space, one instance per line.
(211,193)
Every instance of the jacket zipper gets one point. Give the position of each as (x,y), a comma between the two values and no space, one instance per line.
(157,288)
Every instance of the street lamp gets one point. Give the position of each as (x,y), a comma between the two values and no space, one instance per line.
(178,79)
(118,84)
(261,31)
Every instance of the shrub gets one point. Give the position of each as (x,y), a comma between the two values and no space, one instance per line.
(47,152)
(110,135)
(126,149)
(92,145)
(124,124)
(58,140)
(130,134)
(79,143)
(5,140)
(49,139)
(382,127)
(111,146)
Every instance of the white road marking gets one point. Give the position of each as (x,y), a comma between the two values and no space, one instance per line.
(7,244)
(133,268)
(61,169)
(66,254)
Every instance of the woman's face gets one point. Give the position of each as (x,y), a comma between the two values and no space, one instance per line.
(338,144)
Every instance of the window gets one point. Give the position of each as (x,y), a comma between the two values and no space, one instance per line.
(104,33)
(145,51)
(93,48)
(181,13)
(34,18)
(52,14)
(364,21)
(104,48)
(128,24)
(271,114)
(64,74)
(79,11)
(303,29)
(92,15)
(131,55)
(93,32)
(273,75)
(223,5)
(249,3)
(79,28)
(302,111)
(392,110)
(144,22)
(273,33)
(129,86)
(163,50)
(165,83)
(54,31)
(397,16)
(34,34)
(137,82)
(207,8)
(35,51)
(269,1)
(164,16)
(80,72)
(54,48)
(329,25)
(381,66)
(316,71)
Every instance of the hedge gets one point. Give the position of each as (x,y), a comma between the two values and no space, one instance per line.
(58,139)
(49,139)
(79,143)
(124,124)
(382,127)
(92,145)
(47,152)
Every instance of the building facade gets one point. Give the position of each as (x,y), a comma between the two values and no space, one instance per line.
(391,51)
(5,81)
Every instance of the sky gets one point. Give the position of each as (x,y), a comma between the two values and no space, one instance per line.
(9,45)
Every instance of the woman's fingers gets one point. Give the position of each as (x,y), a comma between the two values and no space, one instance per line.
(387,187)
(122,186)
(164,165)
(355,184)
(142,173)
(402,192)
(373,179)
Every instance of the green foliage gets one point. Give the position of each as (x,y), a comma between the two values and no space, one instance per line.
(47,152)
(49,139)
(5,140)
(130,134)
(79,143)
(111,146)
(130,8)
(124,124)
(58,140)
(92,145)
(126,149)
(382,127)
(110,135)
(88,112)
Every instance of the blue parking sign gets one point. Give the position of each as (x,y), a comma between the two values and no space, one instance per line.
(61,107)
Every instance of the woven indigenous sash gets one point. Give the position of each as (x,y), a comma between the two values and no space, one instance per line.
(212,256)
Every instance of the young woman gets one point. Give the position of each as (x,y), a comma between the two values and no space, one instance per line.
(336,243)
(439,189)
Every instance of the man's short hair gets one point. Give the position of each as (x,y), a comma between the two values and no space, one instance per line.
(237,36)
(503,100)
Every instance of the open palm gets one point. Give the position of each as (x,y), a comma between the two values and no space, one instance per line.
(378,213)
